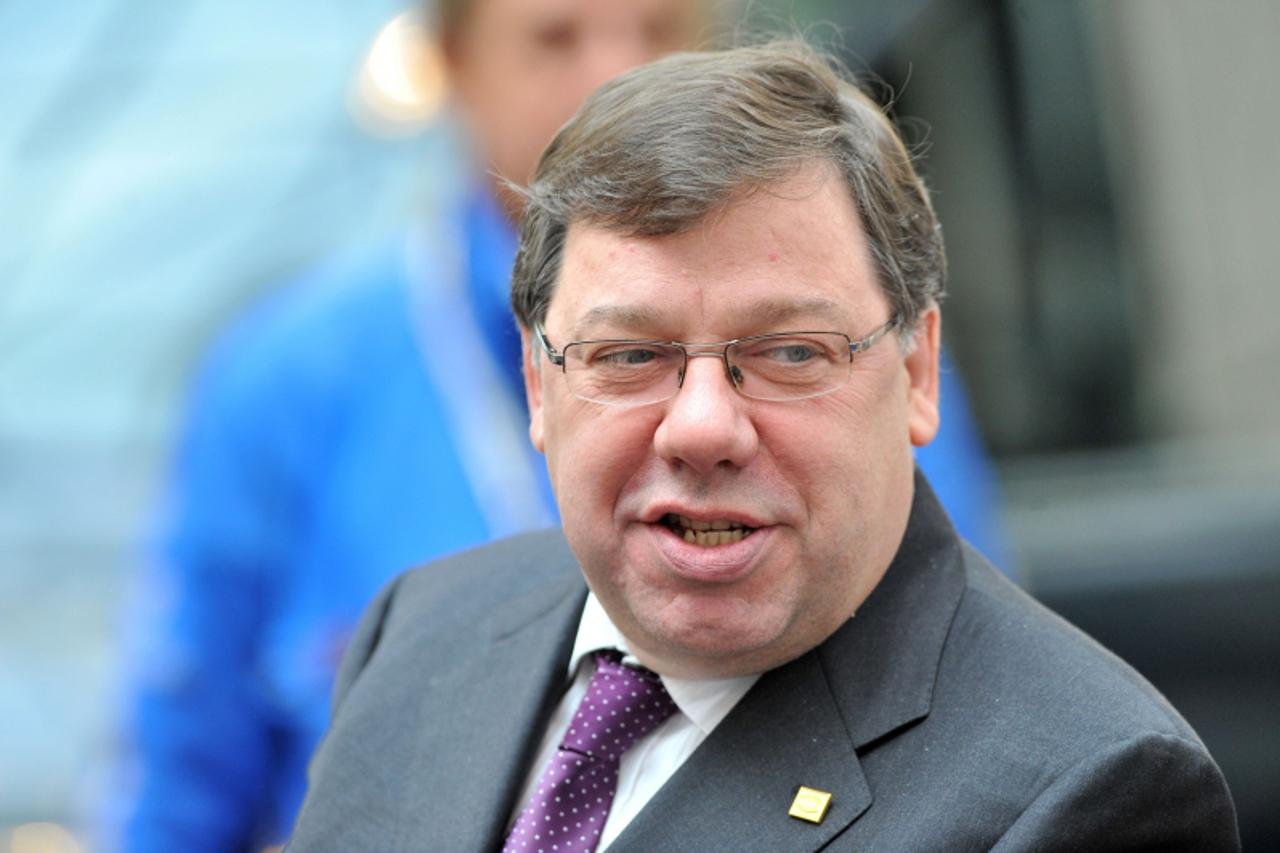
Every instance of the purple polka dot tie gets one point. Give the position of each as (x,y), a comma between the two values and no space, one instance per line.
(567,810)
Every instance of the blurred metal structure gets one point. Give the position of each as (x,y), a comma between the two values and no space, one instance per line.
(1105,174)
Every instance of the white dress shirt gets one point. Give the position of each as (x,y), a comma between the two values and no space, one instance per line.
(652,760)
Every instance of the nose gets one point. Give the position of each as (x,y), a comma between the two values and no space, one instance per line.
(609,51)
(707,424)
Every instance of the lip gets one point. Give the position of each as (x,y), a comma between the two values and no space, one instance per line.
(719,564)
(656,513)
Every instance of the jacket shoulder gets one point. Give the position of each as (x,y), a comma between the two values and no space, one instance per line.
(1030,721)
(438,610)
(506,568)
(1025,663)
(446,599)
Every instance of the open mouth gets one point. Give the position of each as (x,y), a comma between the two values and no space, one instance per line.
(706,533)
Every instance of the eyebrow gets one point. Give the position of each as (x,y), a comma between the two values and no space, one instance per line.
(762,314)
(773,311)
(618,315)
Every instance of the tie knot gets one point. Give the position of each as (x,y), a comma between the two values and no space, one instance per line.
(622,705)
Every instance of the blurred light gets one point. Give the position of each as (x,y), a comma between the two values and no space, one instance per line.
(42,838)
(401,84)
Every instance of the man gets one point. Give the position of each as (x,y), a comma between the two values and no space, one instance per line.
(727,285)
(333,441)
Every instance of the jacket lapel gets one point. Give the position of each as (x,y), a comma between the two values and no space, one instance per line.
(882,663)
(480,721)
(735,791)
(806,722)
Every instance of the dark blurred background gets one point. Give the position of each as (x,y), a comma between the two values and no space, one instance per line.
(1105,172)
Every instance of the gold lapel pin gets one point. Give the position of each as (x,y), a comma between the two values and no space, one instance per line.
(810,804)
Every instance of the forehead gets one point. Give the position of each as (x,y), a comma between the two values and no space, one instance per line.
(792,254)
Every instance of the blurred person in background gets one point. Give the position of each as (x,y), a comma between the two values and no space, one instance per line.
(365,418)
(370,417)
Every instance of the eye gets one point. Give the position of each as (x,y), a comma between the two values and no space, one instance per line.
(631,356)
(792,352)
(808,351)
(556,35)
(662,33)
(624,356)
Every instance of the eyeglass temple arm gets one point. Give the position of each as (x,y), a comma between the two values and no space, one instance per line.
(865,343)
(554,357)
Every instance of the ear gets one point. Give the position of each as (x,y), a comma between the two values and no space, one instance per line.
(456,49)
(532,388)
(922,374)
(449,41)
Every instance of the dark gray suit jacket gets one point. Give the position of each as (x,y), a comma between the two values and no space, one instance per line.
(952,713)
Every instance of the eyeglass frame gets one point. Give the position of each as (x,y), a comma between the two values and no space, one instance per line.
(718,349)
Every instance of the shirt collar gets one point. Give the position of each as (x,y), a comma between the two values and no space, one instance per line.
(704,701)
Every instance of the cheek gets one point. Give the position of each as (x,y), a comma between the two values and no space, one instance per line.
(835,454)
(594,454)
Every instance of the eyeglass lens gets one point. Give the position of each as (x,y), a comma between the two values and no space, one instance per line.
(774,367)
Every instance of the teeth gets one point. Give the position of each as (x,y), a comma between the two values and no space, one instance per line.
(718,524)
(707,533)
(710,538)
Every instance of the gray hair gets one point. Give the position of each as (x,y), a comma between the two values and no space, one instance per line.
(656,150)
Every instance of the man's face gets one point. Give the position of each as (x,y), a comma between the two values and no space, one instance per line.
(823,485)
(521,68)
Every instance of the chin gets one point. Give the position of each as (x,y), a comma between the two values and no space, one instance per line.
(713,638)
